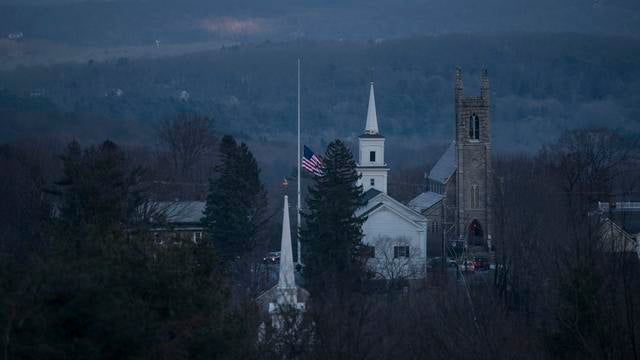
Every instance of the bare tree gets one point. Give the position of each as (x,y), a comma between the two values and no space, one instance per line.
(395,260)
(187,139)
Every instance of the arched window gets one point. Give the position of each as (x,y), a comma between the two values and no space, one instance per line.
(474,127)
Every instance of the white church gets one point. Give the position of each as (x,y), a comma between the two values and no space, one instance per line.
(395,234)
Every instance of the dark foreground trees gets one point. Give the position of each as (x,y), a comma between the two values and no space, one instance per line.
(102,289)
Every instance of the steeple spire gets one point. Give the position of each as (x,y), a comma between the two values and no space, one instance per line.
(372,118)
(286,283)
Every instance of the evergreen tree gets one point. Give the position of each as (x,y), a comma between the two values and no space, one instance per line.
(236,201)
(332,233)
(100,191)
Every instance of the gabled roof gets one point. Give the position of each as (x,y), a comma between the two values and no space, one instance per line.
(180,212)
(425,200)
(377,200)
(446,166)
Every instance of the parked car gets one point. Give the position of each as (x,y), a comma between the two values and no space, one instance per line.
(272,258)
(482,263)
(467,266)
(436,262)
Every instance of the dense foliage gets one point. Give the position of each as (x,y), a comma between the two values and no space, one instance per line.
(332,232)
(236,202)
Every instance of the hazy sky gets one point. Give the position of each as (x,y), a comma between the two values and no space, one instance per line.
(136,22)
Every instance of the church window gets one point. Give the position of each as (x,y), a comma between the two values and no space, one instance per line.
(474,127)
(372,156)
(400,252)
(475,197)
(373,182)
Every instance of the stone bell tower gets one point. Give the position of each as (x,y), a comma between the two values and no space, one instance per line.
(473,176)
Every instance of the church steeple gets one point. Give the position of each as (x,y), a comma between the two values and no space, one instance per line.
(286,291)
(371,165)
(286,282)
(371,128)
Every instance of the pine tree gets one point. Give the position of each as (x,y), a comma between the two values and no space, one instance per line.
(100,193)
(236,201)
(332,233)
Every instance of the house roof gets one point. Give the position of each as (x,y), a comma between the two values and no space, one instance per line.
(445,167)
(180,212)
(425,200)
(628,220)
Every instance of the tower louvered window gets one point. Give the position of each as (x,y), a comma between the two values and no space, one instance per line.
(475,197)
(474,127)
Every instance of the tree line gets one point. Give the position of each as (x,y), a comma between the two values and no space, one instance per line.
(82,277)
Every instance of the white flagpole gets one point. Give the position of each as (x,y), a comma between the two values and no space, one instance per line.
(299,208)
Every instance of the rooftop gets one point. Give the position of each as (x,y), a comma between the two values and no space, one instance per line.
(445,167)
(425,200)
(180,212)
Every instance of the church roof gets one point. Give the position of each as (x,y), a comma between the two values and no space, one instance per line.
(370,194)
(445,167)
(425,200)
(375,199)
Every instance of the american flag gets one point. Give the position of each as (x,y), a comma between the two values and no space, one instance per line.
(311,162)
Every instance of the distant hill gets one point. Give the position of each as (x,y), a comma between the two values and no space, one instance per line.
(541,84)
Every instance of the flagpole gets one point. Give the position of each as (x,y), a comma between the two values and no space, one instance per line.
(299,208)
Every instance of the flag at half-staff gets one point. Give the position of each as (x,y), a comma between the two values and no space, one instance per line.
(312,162)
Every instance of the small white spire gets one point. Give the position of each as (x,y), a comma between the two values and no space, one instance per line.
(372,118)
(286,282)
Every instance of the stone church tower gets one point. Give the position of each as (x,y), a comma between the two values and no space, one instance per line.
(473,157)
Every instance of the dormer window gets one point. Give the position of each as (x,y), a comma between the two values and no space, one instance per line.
(474,127)
(372,156)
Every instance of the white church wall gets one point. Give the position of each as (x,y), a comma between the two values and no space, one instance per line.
(379,177)
(385,229)
(369,145)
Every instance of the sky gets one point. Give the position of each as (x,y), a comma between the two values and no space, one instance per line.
(141,22)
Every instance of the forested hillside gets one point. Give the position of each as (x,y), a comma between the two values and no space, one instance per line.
(540,85)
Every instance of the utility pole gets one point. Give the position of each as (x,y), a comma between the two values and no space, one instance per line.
(444,241)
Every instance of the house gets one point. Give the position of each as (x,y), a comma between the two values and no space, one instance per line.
(395,234)
(176,220)
(620,227)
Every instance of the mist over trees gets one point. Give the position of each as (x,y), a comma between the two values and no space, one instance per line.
(542,84)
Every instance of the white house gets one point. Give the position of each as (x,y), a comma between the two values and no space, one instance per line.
(395,233)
